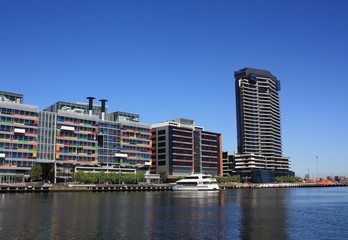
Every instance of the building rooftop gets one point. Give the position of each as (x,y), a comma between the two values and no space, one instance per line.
(11,97)
(249,72)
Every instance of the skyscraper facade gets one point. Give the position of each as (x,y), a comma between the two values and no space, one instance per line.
(259,157)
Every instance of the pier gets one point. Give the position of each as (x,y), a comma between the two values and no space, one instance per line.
(133,187)
(8,189)
(146,187)
(279,185)
(85,187)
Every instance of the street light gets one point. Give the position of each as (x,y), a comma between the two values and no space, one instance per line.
(119,175)
(316,157)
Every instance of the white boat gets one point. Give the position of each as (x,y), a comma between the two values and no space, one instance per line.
(196,182)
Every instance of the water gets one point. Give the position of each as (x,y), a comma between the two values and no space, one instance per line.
(297,213)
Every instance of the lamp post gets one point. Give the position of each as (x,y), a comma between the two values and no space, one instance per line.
(316,157)
(136,176)
(119,174)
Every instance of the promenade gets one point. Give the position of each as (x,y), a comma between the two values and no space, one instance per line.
(280,185)
(71,187)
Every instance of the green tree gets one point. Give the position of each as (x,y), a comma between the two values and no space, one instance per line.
(113,178)
(233,178)
(36,173)
(287,179)
(140,176)
(128,178)
(163,176)
(78,176)
(91,178)
(102,177)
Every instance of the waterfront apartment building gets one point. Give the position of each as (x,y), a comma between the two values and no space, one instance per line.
(69,137)
(136,143)
(101,141)
(18,136)
(259,157)
(75,139)
(180,148)
(123,140)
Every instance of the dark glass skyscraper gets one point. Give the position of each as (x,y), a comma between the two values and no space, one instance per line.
(259,157)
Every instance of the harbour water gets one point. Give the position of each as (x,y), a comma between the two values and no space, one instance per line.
(294,213)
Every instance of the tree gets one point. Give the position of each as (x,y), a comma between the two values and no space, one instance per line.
(140,176)
(287,179)
(163,176)
(103,177)
(36,173)
(233,178)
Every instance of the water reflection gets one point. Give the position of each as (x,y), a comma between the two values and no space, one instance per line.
(264,213)
(188,215)
(234,214)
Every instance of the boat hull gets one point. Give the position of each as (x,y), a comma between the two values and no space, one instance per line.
(196,182)
(195,188)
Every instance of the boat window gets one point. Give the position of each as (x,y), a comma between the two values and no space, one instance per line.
(189,183)
(191,177)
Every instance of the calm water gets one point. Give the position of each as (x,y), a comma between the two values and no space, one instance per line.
(297,213)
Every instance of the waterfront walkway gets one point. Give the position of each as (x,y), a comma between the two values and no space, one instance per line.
(280,185)
(37,187)
(84,187)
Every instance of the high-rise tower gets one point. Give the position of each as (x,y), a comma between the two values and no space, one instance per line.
(259,157)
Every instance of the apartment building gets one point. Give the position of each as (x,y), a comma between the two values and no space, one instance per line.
(69,137)
(179,148)
(18,136)
(259,157)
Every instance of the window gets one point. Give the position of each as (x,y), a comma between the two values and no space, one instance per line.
(161,132)
(161,163)
(162,150)
(162,138)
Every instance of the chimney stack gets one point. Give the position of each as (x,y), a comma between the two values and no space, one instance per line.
(103,101)
(90,105)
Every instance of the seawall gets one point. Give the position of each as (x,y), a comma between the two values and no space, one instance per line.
(85,187)
(147,187)
(279,185)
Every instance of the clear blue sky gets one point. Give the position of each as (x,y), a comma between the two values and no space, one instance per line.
(168,59)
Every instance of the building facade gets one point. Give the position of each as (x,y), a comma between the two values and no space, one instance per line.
(69,137)
(124,141)
(135,142)
(18,136)
(180,148)
(259,157)
(228,163)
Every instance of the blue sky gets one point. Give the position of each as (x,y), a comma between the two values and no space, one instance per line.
(168,59)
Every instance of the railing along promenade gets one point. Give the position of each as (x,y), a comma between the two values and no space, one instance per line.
(75,187)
